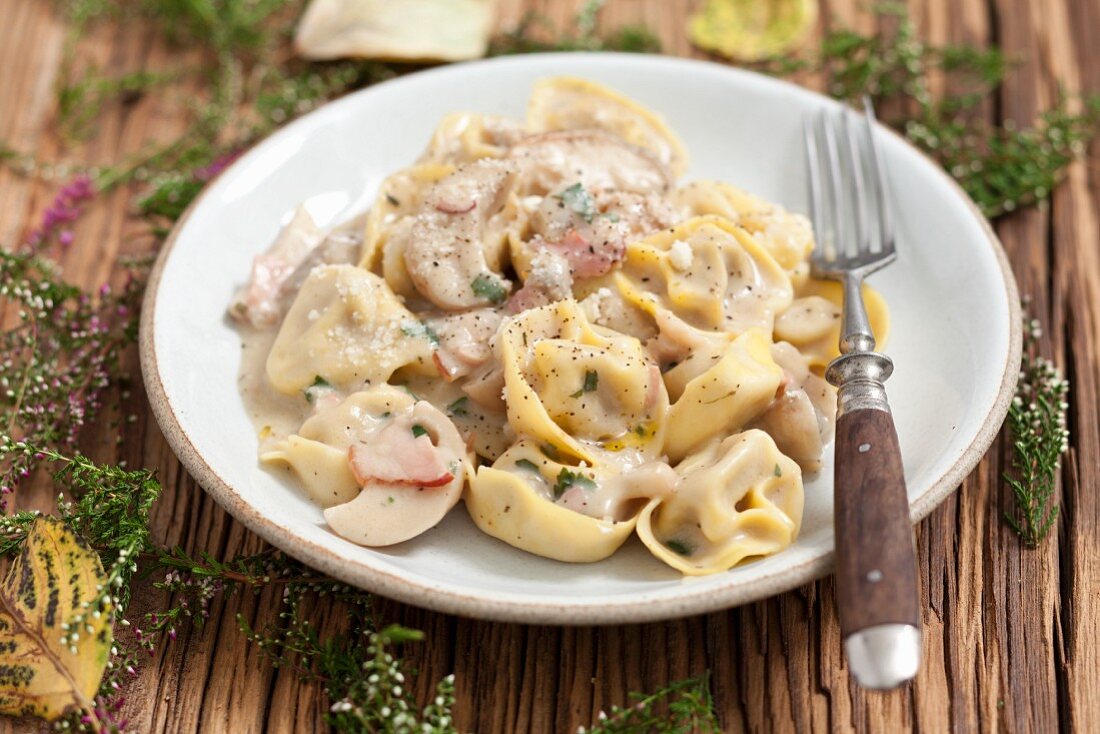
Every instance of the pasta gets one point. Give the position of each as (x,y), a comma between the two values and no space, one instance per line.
(537,319)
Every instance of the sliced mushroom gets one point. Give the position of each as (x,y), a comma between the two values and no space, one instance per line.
(597,160)
(463,340)
(445,248)
(412,471)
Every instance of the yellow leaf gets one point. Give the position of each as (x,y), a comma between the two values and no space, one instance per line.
(46,587)
(752,30)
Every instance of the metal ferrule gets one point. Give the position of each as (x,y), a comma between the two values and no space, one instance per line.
(859,378)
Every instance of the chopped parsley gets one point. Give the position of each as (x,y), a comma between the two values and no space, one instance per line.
(591,382)
(420,329)
(419,430)
(550,450)
(567,479)
(387,414)
(458,407)
(577,198)
(390,499)
(318,382)
(392,200)
(778,471)
(526,464)
(640,430)
(679,547)
(488,286)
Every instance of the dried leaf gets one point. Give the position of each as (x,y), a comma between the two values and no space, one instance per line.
(405,30)
(752,30)
(46,587)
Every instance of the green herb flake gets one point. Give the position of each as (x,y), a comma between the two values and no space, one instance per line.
(418,329)
(778,471)
(389,500)
(640,430)
(591,382)
(419,430)
(550,451)
(490,287)
(579,201)
(318,382)
(567,479)
(527,464)
(458,407)
(679,547)
(392,200)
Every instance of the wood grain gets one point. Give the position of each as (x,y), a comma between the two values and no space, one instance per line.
(1011,636)
(876,568)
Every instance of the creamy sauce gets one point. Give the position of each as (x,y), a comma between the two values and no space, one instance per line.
(538,299)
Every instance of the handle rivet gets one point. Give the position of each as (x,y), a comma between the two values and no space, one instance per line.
(864,448)
(874,576)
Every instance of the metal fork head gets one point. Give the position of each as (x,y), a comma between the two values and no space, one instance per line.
(849,201)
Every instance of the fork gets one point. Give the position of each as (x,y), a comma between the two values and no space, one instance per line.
(876,566)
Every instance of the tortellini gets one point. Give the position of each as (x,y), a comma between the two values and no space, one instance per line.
(813,320)
(737,499)
(709,272)
(566,103)
(581,388)
(542,323)
(738,386)
(345,328)
(787,237)
(560,510)
(464,137)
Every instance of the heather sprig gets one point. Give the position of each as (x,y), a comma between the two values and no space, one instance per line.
(62,212)
(1040,436)
(60,353)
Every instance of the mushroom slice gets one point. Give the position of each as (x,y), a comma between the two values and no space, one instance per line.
(463,340)
(412,469)
(802,416)
(446,247)
(598,161)
(411,30)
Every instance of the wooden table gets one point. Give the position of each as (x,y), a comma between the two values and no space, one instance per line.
(1012,636)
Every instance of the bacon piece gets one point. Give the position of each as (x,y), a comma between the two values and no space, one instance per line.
(396,455)
(454,207)
(589,259)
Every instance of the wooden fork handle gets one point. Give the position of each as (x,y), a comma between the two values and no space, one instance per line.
(876,558)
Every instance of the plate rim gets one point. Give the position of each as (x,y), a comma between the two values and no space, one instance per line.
(641,609)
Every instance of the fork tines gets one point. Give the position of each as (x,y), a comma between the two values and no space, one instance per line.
(849,202)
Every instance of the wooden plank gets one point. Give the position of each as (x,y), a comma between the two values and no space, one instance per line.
(1011,636)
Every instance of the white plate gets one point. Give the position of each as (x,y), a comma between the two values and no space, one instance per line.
(956,337)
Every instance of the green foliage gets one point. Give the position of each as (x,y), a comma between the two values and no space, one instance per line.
(1037,424)
(80,103)
(535,34)
(688,707)
(171,196)
(1001,167)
